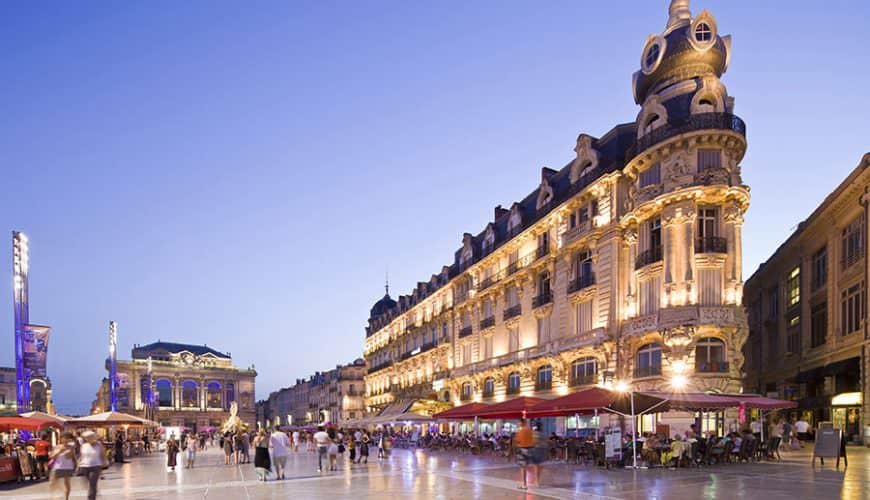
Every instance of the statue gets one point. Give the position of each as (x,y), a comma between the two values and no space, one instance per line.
(234,423)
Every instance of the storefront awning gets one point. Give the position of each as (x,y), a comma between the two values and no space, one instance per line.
(847,365)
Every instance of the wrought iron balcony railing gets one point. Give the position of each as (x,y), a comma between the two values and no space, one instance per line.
(701,121)
(647,371)
(487,322)
(511,312)
(648,257)
(581,282)
(465,331)
(711,244)
(543,298)
(712,367)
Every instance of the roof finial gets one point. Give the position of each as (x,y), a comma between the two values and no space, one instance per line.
(387,280)
(678,13)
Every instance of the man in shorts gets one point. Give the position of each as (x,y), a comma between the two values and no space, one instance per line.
(525,442)
(321,440)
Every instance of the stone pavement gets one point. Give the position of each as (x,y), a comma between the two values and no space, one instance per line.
(423,474)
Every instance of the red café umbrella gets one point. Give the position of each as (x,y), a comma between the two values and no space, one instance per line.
(511,409)
(596,398)
(464,412)
(26,424)
(696,401)
(761,402)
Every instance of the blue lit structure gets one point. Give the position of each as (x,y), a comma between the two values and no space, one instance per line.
(113,364)
(20,264)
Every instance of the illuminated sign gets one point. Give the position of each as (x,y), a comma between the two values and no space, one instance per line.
(846,399)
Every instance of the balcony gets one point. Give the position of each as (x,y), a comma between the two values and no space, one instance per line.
(544,385)
(381,366)
(576,232)
(701,121)
(647,371)
(542,299)
(513,390)
(648,257)
(465,331)
(487,323)
(851,258)
(712,367)
(581,282)
(711,244)
(511,312)
(583,380)
(488,394)
(465,396)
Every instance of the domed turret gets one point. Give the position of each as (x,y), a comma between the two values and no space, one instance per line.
(382,306)
(689,48)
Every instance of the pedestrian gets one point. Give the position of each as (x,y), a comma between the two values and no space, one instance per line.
(227,445)
(786,433)
(280,444)
(237,446)
(246,447)
(296,441)
(171,452)
(351,448)
(42,449)
(525,442)
(365,440)
(321,440)
(146,443)
(192,445)
(119,448)
(262,463)
(63,462)
(332,448)
(91,461)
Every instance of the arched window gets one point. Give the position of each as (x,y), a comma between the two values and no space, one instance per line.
(706,105)
(583,371)
(649,361)
(230,395)
(488,387)
(467,391)
(189,397)
(545,378)
(214,395)
(652,56)
(710,356)
(513,383)
(164,393)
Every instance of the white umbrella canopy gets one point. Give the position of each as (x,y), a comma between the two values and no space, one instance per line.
(39,415)
(112,418)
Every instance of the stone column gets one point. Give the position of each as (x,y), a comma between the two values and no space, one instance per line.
(733,224)
(629,240)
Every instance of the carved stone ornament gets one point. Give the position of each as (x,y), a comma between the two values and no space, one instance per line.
(678,338)
(678,170)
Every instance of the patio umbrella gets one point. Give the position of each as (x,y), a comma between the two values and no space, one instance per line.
(109,418)
(596,398)
(26,424)
(464,412)
(512,409)
(695,401)
(38,415)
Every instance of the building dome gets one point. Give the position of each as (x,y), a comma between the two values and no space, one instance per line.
(690,48)
(382,306)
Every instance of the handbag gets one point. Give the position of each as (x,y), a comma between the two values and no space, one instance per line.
(341,448)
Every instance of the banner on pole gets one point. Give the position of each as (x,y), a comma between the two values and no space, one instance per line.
(35,350)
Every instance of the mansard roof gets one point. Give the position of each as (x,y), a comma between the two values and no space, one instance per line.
(159,347)
(612,148)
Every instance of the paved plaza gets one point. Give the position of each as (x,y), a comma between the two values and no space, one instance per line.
(423,474)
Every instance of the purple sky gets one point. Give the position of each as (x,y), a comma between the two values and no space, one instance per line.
(204,173)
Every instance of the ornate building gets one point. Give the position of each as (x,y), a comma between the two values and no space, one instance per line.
(623,265)
(807,308)
(190,385)
(334,396)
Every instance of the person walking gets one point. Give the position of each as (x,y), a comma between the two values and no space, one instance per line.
(296,441)
(42,449)
(227,445)
(332,448)
(262,463)
(63,460)
(365,441)
(321,440)
(171,452)
(91,461)
(351,448)
(280,444)
(246,447)
(237,446)
(192,445)
(525,441)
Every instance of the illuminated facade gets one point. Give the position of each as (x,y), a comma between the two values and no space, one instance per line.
(622,266)
(807,308)
(333,396)
(190,385)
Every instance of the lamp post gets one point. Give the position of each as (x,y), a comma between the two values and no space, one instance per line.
(113,382)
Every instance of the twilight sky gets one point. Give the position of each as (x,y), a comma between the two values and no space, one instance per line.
(205,172)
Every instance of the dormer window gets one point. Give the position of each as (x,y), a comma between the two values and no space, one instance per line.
(703,33)
(652,55)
